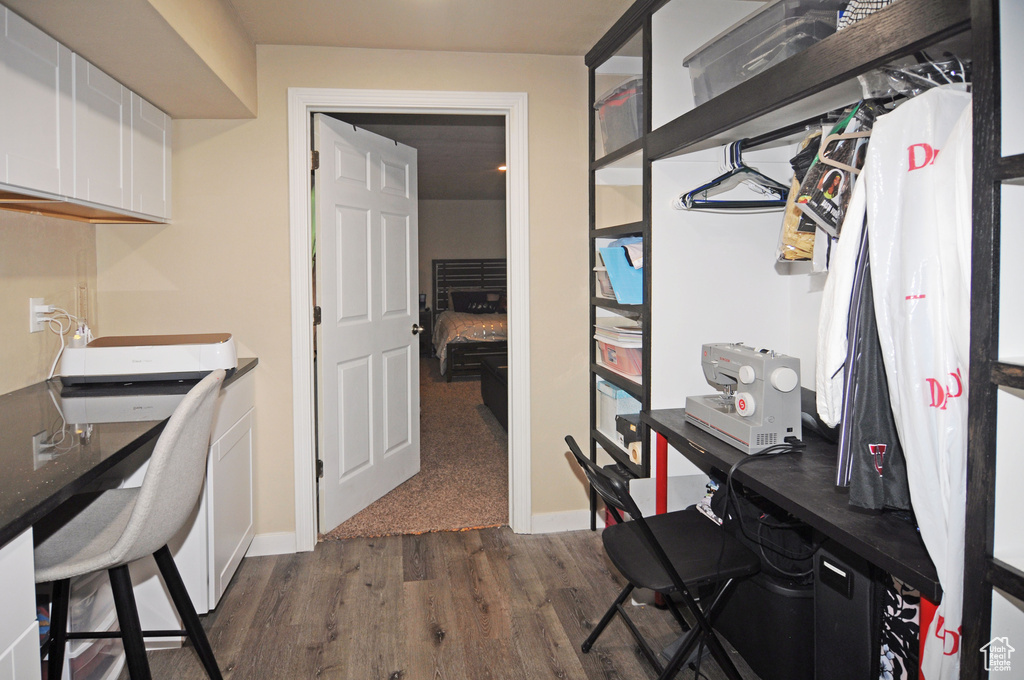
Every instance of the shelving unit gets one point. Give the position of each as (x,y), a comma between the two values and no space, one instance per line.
(994,551)
(677,137)
(618,198)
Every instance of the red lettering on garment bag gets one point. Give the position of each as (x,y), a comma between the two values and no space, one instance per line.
(941,394)
(950,638)
(921,155)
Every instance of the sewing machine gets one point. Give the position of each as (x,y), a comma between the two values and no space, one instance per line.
(759,402)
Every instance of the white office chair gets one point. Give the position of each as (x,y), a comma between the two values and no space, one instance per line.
(122,525)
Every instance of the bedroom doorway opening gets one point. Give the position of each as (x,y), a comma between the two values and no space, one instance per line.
(463,477)
(512,107)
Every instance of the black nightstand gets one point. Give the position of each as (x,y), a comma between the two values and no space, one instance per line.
(427,333)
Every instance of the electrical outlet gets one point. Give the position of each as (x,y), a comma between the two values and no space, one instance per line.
(35,321)
(39,444)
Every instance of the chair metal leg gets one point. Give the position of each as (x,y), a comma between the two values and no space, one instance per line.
(59,601)
(645,647)
(703,631)
(128,619)
(187,611)
(594,634)
(676,613)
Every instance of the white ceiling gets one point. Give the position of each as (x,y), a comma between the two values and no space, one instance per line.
(569,27)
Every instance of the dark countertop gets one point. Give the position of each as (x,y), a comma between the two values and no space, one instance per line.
(33,483)
(803,485)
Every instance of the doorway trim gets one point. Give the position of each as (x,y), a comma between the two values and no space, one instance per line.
(302,102)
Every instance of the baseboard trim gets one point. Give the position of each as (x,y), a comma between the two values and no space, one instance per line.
(281,543)
(573,520)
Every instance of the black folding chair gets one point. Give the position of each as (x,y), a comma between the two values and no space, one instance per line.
(669,554)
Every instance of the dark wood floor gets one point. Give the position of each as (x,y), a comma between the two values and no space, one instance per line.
(466,605)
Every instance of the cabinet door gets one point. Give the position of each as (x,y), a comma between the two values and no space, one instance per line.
(19,635)
(229,489)
(151,159)
(102,126)
(35,108)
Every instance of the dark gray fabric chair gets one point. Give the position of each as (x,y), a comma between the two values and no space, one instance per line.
(113,528)
(671,554)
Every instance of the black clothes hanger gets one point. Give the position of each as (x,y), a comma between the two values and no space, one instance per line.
(738,173)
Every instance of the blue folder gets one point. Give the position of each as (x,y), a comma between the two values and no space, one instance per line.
(627,282)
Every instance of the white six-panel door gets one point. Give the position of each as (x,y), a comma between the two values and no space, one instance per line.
(367,289)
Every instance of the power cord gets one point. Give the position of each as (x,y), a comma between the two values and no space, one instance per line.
(83,333)
(791,445)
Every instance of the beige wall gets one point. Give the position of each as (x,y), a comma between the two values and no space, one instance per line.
(39,257)
(224,263)
(453,229)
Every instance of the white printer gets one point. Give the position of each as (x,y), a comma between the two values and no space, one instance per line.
(133,358)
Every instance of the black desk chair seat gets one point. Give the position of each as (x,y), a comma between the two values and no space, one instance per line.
(669,554)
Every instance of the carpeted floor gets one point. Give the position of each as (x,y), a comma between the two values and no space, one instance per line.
(463,478)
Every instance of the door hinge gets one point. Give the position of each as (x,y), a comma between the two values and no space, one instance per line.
(319,469)
(315,160)
(316,315)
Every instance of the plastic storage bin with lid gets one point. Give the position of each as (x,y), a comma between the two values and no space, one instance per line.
(613,401)
(625,360)
(620,113)
(770,35)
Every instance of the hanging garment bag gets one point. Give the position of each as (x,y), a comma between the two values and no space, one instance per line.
(919,221)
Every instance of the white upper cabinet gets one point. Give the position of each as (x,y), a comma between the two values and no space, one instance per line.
(74,142)
(102,115)
(35,107)
(150,159)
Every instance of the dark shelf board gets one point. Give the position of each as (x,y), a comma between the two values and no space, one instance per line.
(817,80)
(1008,375)
(617,155)
(616,452)
(1006,577)
(1011,169)
(634,388)
(619,230)
(623,29)
(632,311)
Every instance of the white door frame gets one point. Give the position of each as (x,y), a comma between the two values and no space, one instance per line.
(513,106)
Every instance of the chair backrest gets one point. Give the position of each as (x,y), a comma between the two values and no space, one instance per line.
(615,492)
(175,474)
(611,488)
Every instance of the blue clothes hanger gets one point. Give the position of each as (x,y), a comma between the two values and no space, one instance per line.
(738,173)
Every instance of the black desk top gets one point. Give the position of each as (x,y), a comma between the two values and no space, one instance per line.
(803,485)
(33,483)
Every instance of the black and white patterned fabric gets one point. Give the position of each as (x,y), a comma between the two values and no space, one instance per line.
(858,9)
(900,631)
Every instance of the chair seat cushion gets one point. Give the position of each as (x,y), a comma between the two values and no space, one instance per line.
(701,551)
(78,537)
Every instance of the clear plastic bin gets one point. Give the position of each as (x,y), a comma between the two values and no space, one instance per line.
(611,402)
(770,35)
(625,360)
(620,113)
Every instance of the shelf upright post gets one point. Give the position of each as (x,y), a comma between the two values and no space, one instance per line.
(982,571)
(592,172)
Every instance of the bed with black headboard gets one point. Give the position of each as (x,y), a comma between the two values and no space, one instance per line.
(470,319)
